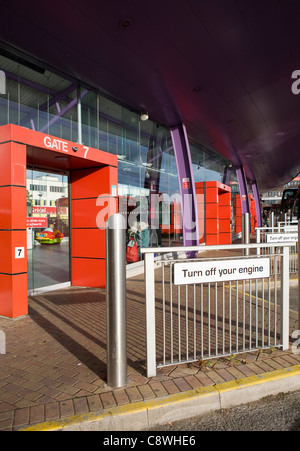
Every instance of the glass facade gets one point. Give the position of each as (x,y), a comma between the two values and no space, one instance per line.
(207,165)
(44,101)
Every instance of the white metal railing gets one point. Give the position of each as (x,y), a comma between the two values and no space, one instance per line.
(190,319)
(281,219)
(282,233)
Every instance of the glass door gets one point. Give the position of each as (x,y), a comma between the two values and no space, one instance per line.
(48,230)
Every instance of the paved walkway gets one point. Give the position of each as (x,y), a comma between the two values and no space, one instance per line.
(55,365)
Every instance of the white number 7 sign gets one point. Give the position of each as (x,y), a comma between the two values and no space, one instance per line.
(19,252)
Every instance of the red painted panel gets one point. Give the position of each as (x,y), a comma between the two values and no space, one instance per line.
(88,273)
(12,208)
(212,211)
(93,183)
(212,226)
(20,297)
(225,238)
(225,226)
(91,213)
(224,212)
(9,264)
(12,164)
(88,243)
(212,239)
(225,199)
(13,296)
(211,195)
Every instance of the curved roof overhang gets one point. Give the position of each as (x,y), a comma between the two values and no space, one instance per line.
(223,68)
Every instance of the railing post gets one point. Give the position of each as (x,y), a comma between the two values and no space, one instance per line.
(116,301)
(258,241)
(272,221)
(285,289)
(150,315)
(246,228)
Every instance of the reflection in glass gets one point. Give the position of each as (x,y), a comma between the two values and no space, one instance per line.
(47,229)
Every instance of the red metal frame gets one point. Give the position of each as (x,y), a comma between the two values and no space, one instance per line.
(92,173)
(214,212)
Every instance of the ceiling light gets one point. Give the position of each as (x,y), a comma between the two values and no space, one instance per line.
(125,23)
(198,88)
(144,116)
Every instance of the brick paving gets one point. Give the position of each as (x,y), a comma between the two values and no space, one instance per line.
(55,364)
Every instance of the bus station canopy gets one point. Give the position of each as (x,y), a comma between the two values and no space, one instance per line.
(223,68)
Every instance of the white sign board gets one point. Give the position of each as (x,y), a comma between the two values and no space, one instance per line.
(19,252)
(221,271)
(282,238)
(289,229)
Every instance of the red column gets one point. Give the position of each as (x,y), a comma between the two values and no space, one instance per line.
(214,212)
(199,189)
(225,235)
(13,237)
(88,222)
(237,212)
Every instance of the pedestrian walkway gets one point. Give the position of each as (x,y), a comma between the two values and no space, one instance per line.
(53,374)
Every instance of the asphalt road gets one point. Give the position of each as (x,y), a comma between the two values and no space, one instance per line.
(274,413)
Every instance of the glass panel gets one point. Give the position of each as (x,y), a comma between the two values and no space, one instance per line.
(47,229)
(171,208)
(89,117)
(207,166)
(44,101)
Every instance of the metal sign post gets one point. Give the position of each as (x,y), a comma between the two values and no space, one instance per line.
(116,301)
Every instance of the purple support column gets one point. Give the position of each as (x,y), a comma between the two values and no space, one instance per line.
(186,187)
(243,189)
(257,204)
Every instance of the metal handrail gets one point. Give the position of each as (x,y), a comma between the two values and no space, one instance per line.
(223,247)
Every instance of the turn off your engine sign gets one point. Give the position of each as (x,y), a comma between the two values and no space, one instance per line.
(221,271)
